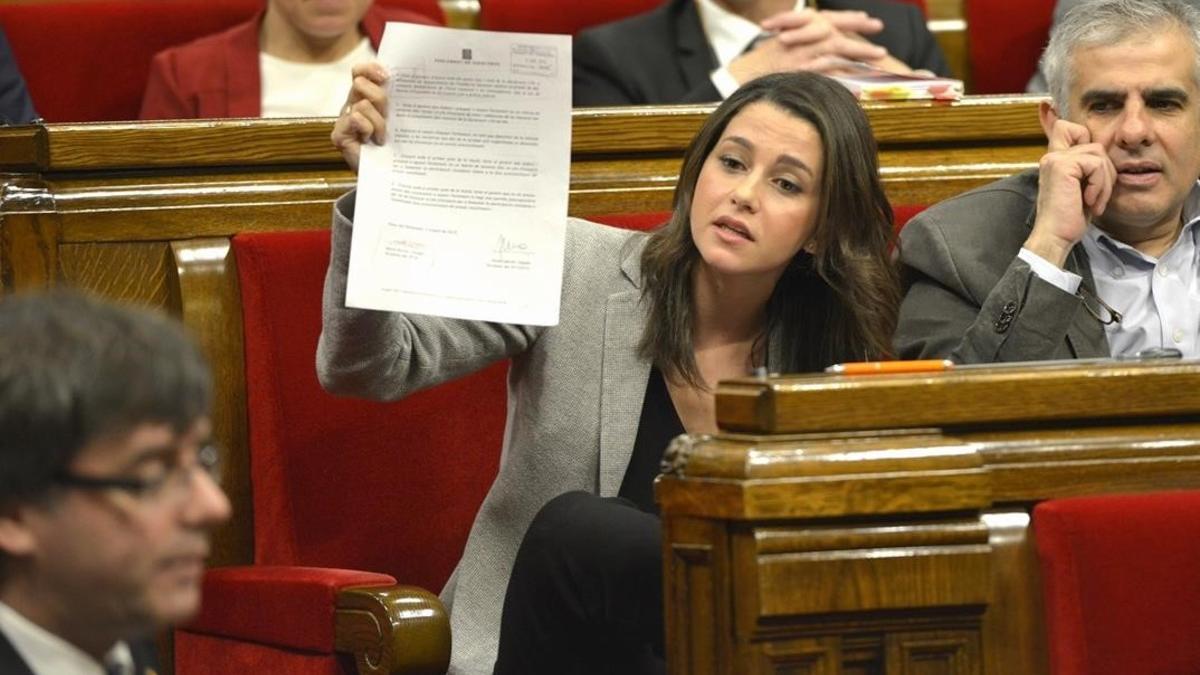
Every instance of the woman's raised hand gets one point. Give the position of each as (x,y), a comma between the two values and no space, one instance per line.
(363,117)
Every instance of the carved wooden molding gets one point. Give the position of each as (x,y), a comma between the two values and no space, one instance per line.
(933,653)
(393,630)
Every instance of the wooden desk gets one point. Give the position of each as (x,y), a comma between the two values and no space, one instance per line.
(881,524)
(144,211)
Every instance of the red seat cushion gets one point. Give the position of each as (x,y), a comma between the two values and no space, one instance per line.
(286,607)
(1121,581)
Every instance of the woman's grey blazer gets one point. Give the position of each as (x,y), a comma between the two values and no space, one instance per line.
(575,394)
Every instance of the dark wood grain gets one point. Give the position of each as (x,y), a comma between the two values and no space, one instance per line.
(894,532)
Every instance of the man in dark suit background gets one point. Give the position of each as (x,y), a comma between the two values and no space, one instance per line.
(106,497)
(15,104)
(700,51)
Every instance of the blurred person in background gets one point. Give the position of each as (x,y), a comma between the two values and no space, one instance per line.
(293,59)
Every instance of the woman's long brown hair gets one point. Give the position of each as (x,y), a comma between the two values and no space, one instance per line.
(837,304)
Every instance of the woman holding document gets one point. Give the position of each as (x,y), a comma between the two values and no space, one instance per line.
(775,259)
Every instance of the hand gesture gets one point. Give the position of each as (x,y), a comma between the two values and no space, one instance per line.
(1075,182)
(363,117)
(820,41)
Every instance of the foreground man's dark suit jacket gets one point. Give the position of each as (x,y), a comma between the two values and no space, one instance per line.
(144,662)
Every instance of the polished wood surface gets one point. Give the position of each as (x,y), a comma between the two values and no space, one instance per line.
(393,630)
(1063,391)
(880,524)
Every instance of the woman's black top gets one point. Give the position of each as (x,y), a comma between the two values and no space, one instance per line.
(658,425)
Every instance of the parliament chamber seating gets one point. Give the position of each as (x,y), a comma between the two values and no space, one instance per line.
(339,483)
(350,495)
(84,204)
(88,60)
(1121,579)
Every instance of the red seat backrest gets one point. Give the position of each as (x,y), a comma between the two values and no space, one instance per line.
(633,221)
(1005,39)
(650,220)
(349,483)
(88,60)
(904,213)
(1121,582)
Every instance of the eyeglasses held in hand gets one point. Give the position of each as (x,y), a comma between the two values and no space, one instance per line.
(1098,308)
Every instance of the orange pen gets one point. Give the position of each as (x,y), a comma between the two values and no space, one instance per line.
(883,367)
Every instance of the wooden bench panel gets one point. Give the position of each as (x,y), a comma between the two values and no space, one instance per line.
(896,542)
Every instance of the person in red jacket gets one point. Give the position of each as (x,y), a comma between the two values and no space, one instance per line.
(291,60)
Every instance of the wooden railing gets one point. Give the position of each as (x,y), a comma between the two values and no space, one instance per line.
(881,524)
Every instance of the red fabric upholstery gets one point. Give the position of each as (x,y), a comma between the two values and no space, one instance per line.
(337,483)
(1005,39)
(197,654)
(904,213)
(289,607)
(87,60)
(651,220)
(344,482)
(634,221)
(1121,581)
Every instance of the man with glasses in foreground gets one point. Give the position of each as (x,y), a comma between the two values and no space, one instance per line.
(1093,254)
(107,493)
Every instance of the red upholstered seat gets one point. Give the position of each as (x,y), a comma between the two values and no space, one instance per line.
(339,484)
(1121,581)
(346,492)
(87,60)
(1005,39)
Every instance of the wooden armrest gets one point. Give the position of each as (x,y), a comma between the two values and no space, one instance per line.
(398,630)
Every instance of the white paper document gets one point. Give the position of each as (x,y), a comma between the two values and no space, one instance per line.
(462,212)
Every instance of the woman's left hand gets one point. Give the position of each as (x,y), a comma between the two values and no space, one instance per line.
(363,116)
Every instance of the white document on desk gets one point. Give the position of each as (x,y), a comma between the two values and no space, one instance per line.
(462,212)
